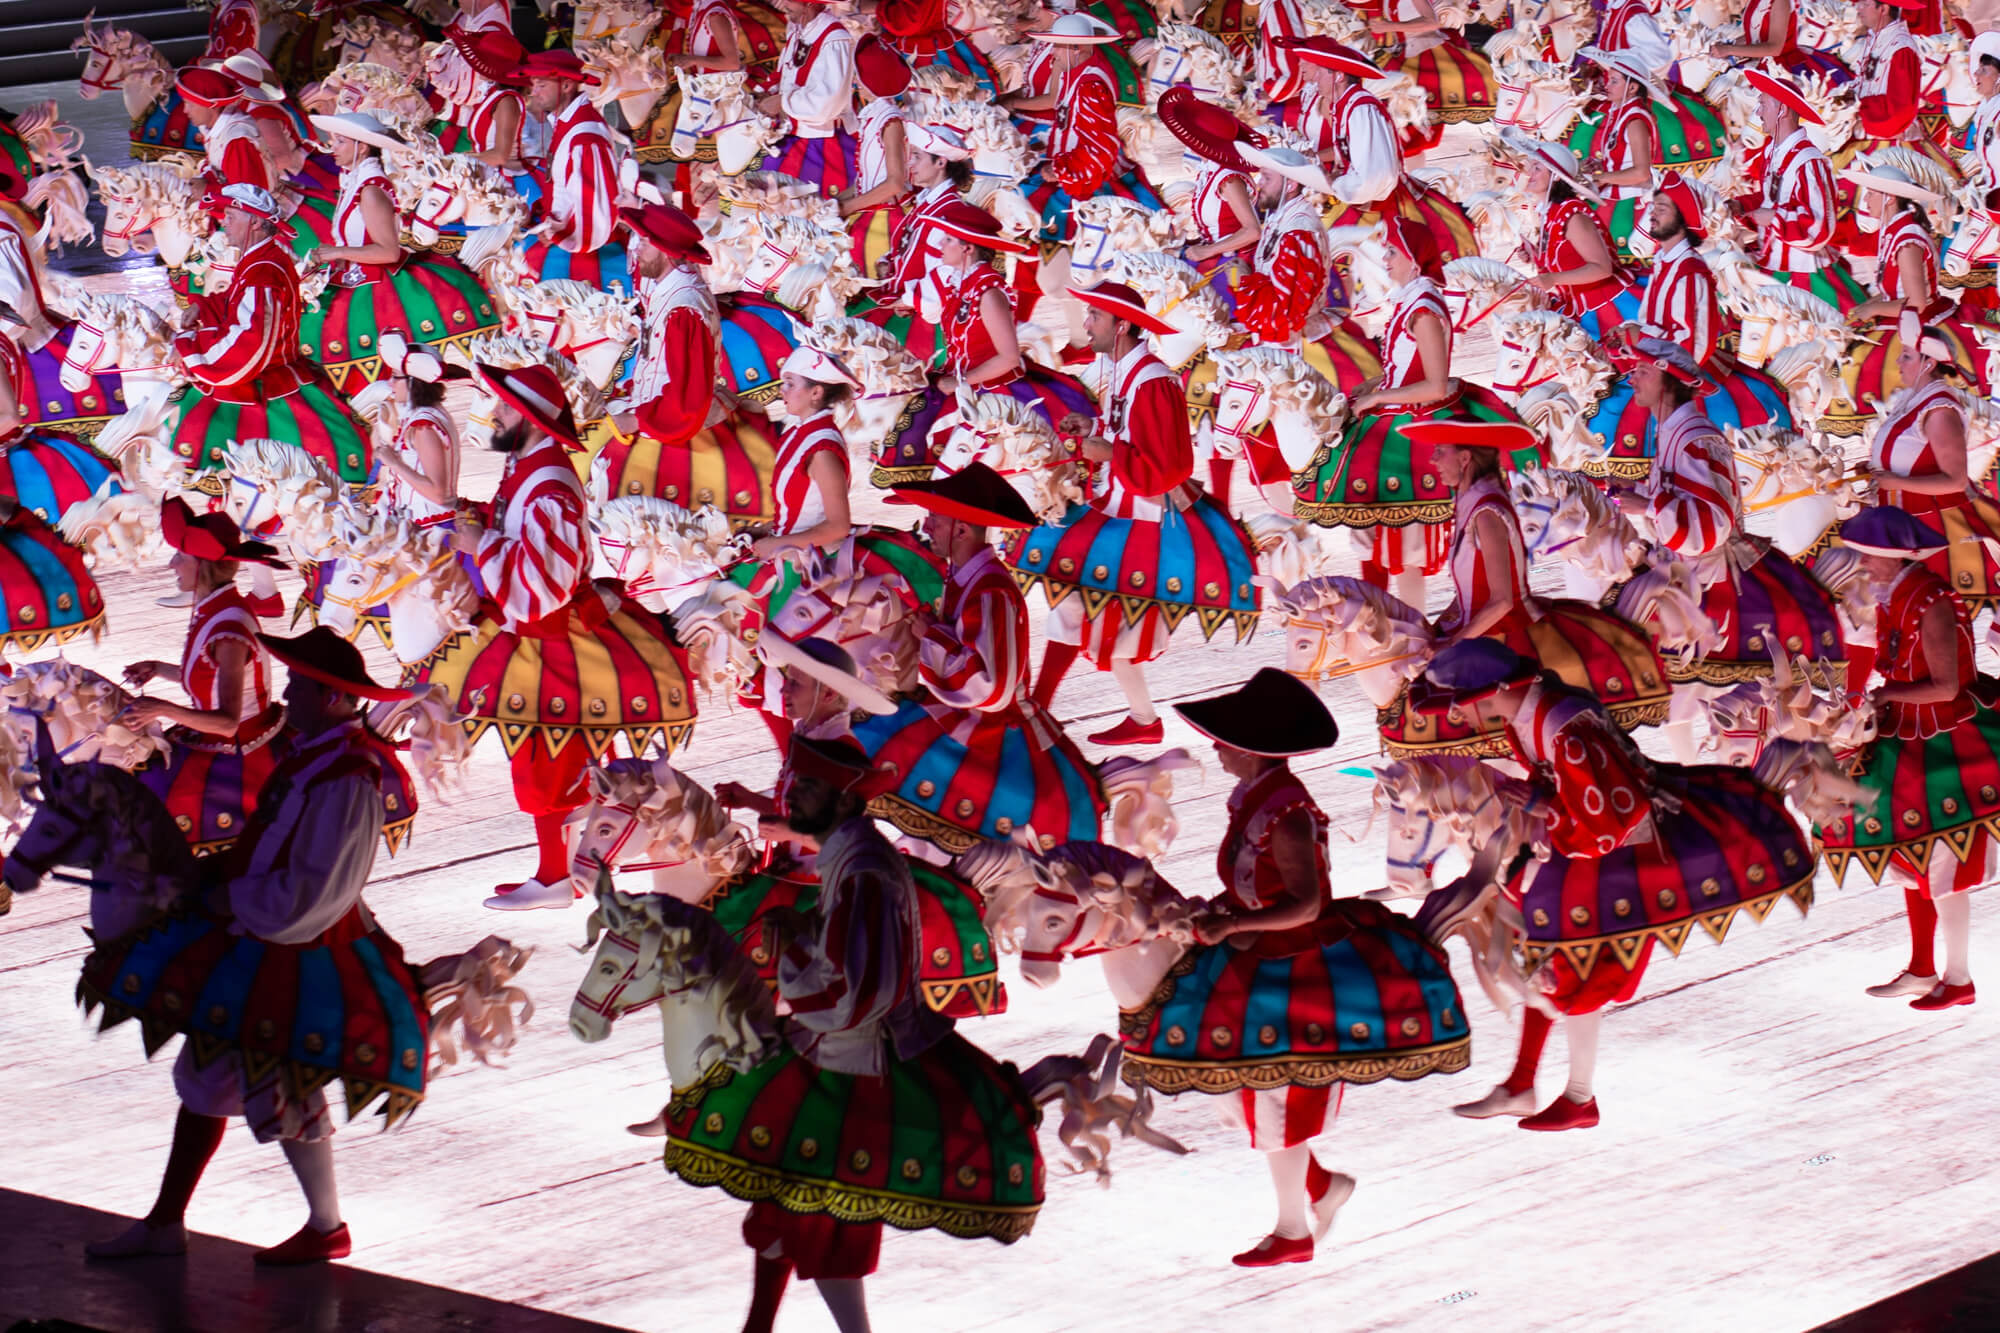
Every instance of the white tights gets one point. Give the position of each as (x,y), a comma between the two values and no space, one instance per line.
(1955,924)
(1131,678)
(312,1163)
(1581,1031)
(1288,1178)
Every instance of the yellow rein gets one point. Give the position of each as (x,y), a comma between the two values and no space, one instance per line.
(374,597)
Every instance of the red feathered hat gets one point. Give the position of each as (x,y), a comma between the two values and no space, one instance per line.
(538,395)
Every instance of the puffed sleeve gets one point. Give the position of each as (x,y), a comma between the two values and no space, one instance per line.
(826,95)
(1087,154)
(536,574)
(1694,510)
(681,408)
(334,830)
(1601,789)
(976,663)
(1158,453)
(1275,307)
(1374,159)
(239,346)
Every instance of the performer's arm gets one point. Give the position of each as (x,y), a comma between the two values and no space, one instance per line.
(1940,632)
(1434,351)
(1891,111)
(1090,157)
(1294,851)
(727,55)
(1806,216)
(847,977)
(1237,196)
(1276,306)
(1945,431)
(383,245)
(1161,455)
(238,350)
(975,663)
(1770,45)
(895,179)
(333,840)
(1374,160)
(589,225)
(506,149)
(1695,511)
(997,313)
(828,90)
(1597,265)
(537,574)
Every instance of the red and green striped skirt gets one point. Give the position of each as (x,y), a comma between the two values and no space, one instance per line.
(307,414)
(1376,478)
(1366,998)
(1831,282)
(1732,846)
(945,1140)
(430,299)
(1930,789)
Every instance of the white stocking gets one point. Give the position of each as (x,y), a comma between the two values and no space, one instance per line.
(312,1163)
(1131,678)
(263,583)
(846,1302)
(1409,585)
(1581,1030)
(1955,923)
(1681,742)
(1288,1178)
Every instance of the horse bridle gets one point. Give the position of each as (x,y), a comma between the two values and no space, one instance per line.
(610,859)
(1065,949)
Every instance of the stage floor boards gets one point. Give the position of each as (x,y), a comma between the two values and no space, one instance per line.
(1777,1150)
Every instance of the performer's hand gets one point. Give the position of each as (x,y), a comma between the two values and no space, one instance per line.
(144,712)
(1630,502)
(140,673)
(732,794)
(1213,927)
(947,384)
(1074,423)
(1095,448)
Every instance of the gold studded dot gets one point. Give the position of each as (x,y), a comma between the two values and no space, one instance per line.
(912,1169)
(131,983)
(225,820)
(1614,685)
(965,807)
(1176,1036)
(409,1057)
(940,956)
(967,1177)
(1911,819)
(1393,484)
(1100,572)
(978,953)
(1003,826)
(1220,1035)
(1138,578)
(860,1161)
(1580,915)
(266,1029)
(63,600)
(1411,1027)
(1667,898)
(713,1122)
(1710,887)
(638,704)
(1267,1035)
(27,615)
(598,708)
(217,1016)
(1173,585)
(184,821)
(1950,804)
(673,492)
(1623,907)
(926,788)
(1541,917)
(1015,1175)
(1358,1031)
(1872,824)
(1035,556)
(314,1043)
(516,702)
(1315,1034)
(1757,874)
(365,1053)
(172,1000)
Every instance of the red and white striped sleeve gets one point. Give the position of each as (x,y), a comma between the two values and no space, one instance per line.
(586,209)
(1695,511)
(536,574)
(977,663)
(1681,302)
(1083,154)
(242,348)
(1805,217)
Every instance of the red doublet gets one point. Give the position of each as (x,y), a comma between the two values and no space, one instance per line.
(1599,787)
(1083,143)
(1891,86)
(249,334)
(1900,655)
(681,407)
(968,342)
(583,179)
(977,646)
(1695,495)
(1681,302)
(798,504)
(1559,254)
(1151,450)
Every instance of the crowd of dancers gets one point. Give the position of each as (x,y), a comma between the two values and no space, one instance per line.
(1133,308)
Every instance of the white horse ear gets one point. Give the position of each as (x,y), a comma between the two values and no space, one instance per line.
(600,782)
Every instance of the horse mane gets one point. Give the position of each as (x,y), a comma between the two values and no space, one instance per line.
(876,356)
(512,351)
(670,806)
(1291,379)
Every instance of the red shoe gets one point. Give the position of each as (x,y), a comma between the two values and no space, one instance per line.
(1945,996)
(269,607)
(1562,1113)
(308,1247)
(1274,1250)
(1130,732)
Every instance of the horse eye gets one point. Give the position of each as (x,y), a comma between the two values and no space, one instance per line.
(1053,923)
(608,969)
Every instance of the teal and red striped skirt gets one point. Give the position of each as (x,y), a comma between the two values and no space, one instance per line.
(47,591)
(1733,395)
(46,473)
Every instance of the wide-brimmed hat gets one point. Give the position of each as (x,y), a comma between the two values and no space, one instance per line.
(493,53)
(255,74)
(210,536)
(945,141)
(1659,353)
(1892,171)
(322,655)
(975,226)
(1205,129)
(1505,436)
(881,70)
(829,664)
(1985,44)
(359,125)
(1892,531)
(556,63)
(251,199)
(1337,56)
(811,363)
(975,493)
(537,394)
(668,228)
(840,763)
(1270,714)
(1680,191)
(1415,241)
(1625,62)
(1122,301)
(1473,669)
(1782,89)
(1289,163)
(1076,30)
(1559,158)
(207,87)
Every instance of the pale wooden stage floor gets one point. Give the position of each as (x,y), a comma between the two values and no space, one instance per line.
(1777,1148)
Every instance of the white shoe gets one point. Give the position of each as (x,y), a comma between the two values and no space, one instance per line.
(141,1240)
(176,599)
(1497,1103)
(1395,893)
(656,1128)
(1338,1191)
(532,894)
(1906,983)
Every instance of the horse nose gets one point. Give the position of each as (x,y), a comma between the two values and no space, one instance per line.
(586,1026)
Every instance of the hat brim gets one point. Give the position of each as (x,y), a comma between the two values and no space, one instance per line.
(1309,174)
(1003,244)
(782,653)
(1497,435)
(918,493)
(1341,65)
(1181,117)
(695,252)
(1885,185)
(1074,39)
(334,125)
(360,689)
(1894,552)
(1137,314)
(1222,719)
(1789,97)
(564,430)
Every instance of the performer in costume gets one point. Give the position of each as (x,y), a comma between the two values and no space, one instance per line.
(711,33)
(881,189)
(815,96)
(1896,192)
(249,377)
(1289,993)
(221,756)
(939,166)
(1577,265)
(1680,306)
(1586,646)
(1797,219)
(1620,145)
(1687,131)
(490,125)
(820,706)
(982,349)
(981,757)
(1918,458)
(1661,844)
(1771,32)
(1458,81)
(379,289)
(559,666)
(1980,160)
(863,1060)
(1889,84)
(1376,479)
(233,25)
(1147,542)
(1225,219)
(1692,504)
(1930,772)
(1276,67)
(1352,133)
(1086,158)
(676,440)
(457,69)
(291,893)
(580,236)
